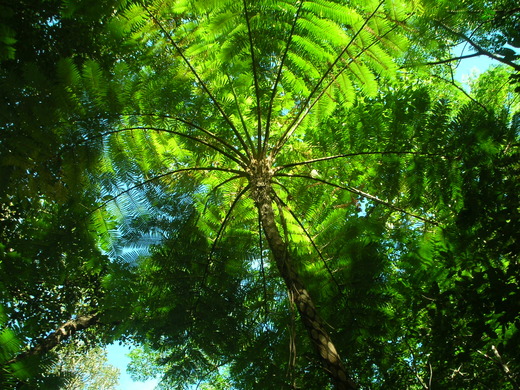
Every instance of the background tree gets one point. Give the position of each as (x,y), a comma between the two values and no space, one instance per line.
(82,368)
(50,265)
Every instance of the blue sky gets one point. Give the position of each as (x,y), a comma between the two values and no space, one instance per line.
(117,356)
(470,65)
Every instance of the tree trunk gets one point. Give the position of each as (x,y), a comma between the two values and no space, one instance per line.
(308,313)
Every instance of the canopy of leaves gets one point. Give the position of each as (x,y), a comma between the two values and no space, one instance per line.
(136,160)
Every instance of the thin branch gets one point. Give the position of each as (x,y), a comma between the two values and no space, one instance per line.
(145,182)
(445,61)
(255,78)
(504,366)
(292,340)
(499,361)
(431,376)
(278,77)
(479,48)
(363,194)
(278,168)
(282,218)
(305,106)
(64,332)
(479,12)
(196,139)
(305,111)
(197,76)
(414,367)
(214,368)
(300,223)
(334,78)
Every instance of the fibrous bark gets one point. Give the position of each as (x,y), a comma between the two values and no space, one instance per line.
(261,192)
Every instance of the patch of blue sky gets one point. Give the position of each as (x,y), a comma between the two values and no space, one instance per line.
(469,68)
(118,357)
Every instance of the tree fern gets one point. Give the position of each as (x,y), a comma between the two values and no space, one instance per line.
(261,74)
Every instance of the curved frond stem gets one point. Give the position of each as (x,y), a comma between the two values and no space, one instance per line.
(345,67)
(255,79)
(157,177)
(308,162)
(314,245)
(158,129)
(212,97)
(364,195)
(195,126)
(219,235)
(214,189)
(244,125)
(278,78)
(306,106)
(262,269)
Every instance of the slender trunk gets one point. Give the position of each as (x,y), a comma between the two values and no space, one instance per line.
(62,333)
(308,313)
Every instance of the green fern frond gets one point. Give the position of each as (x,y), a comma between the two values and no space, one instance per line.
(345,91)
(329,10)
(365,79)
(94,78)
(304,67)
(313,50)
(134,18)
(68,72)
(326,32)
(295,83)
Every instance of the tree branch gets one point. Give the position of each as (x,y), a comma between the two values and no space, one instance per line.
(191,124)
(167,174)
(255,80)
(279,76)
(219,234)
(239,111)
(64,332)
(300,223)
(214,189)
(262,269)
(443,61)
(498,361)
(453,83)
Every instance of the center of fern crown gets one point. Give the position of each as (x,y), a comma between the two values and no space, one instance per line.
(260,173)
